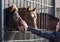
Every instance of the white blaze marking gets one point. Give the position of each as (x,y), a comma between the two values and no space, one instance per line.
(32,15)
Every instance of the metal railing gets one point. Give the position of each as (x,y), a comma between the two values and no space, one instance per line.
(41,5)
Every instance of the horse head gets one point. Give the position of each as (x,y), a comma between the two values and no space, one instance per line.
(12,18)
(29,15)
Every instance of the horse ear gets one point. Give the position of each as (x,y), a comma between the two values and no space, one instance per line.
(34,9)
(28,8)
(14,7)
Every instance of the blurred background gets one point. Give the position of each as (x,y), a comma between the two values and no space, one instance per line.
(57,8)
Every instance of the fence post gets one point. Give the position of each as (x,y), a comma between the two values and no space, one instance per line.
(0,20)
(53,9)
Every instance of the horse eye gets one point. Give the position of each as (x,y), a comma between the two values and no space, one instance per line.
(17,15)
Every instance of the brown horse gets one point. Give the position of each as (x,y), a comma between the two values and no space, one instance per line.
(29,16)
(12,19)
(47,21)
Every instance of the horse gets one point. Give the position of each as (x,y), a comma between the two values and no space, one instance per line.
(47,21)
(29,15)
(12,19)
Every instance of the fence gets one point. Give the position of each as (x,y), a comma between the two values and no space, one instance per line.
(42,6)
